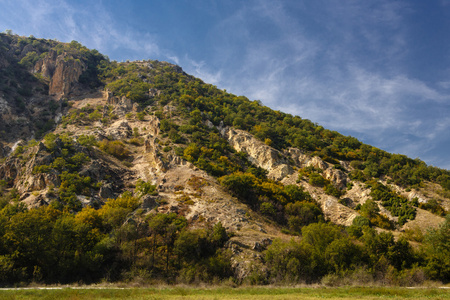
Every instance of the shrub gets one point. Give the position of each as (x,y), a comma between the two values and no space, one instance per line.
(145,188)
(433,206)
(317,180)
(87,140)
(115,148)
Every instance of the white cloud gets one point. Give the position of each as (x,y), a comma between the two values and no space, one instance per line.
(93,26)
(350,73)
(201,70)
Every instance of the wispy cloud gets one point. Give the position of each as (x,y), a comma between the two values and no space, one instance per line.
(344,64)
(328,79)
(93,25)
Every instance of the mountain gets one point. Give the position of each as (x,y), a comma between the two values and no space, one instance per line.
(137,170)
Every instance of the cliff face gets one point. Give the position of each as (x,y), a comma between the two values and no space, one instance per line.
(62,70)
(260,154)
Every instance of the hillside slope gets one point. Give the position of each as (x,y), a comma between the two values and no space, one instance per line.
(152,159)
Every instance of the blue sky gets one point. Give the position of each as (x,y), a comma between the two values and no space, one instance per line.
(378,70)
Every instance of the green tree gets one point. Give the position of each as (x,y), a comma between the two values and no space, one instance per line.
(303,213)
(437,247)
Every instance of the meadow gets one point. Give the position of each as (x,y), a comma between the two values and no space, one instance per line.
(260,293)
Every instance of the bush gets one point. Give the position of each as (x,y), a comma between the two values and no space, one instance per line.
(317,180)
(115,148)
(433,206)
(145,188)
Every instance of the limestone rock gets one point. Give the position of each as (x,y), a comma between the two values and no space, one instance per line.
(317,162)
(337,177)
(153,125)
(62,70)
(150,202)
(119,130)
(106,191)
(259,153)
(4,150)
(300,159)
(153,92)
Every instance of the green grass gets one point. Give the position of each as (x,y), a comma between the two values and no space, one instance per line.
(259,293)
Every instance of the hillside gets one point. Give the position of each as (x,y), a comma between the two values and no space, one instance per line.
(137,170)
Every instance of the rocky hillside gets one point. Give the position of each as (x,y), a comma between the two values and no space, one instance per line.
(79,131)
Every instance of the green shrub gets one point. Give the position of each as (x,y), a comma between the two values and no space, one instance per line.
(317,180)
(115,148)
(145,188)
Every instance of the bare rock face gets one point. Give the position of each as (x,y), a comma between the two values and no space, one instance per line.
(150,145)
(62,70)
(4,150)
(122,105)
(153,92)
(259,153)
(299,158)
(338,177)
(119,130)
(419,196)
(153,125)
(9,169)
(336,212)
(317,162)
(152,149)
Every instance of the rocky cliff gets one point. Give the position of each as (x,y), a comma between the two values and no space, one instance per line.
(62,70)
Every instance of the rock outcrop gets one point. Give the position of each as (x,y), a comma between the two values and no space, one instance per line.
(259,153)
(62,70)
(119,130)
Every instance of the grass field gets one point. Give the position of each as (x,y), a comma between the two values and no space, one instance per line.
(257,293)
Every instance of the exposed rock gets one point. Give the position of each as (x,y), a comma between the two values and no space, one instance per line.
(336,212)
(153,125)
(420,197)
(259,153)
(150,202)
(153,92)
(9,170)
(62,70)
(39,182)
(4,150)
(5,108)
(317,162)
(119,130)
(338,177)
(300,158)
(150,145)
(33,200)
(359,194)
(262,245)
(106,191)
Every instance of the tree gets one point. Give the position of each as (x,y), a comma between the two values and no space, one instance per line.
(300,214)
(437,248)
(290,261)
(342,254)
(370,209)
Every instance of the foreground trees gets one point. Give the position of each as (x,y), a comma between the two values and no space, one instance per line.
(50,245)
(56,246)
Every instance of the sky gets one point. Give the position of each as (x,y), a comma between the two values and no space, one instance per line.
(378,70)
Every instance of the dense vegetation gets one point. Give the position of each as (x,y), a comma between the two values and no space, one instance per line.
(66,242)
(53,245)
